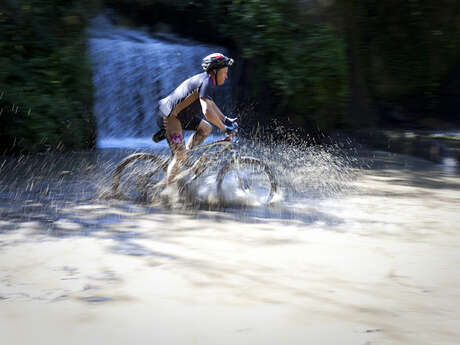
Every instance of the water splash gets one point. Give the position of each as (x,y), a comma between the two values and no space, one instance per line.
(306,173)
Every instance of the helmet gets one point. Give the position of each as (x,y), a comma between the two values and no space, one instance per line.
(216,61)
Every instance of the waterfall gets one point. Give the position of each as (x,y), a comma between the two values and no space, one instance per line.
(132,71)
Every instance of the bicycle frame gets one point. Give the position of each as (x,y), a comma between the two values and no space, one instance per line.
(227,145)
(192,168)
(200,166)
(227,142)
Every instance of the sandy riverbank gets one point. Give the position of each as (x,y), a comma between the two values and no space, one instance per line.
(377,265)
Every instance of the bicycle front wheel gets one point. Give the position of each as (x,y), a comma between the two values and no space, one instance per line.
(139,176)
(250,176)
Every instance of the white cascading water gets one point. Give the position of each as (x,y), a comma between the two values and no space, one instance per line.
(132,71)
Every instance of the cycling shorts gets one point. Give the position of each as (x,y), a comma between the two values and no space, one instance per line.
(188,122)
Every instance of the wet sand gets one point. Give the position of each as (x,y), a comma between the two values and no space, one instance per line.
(377,265)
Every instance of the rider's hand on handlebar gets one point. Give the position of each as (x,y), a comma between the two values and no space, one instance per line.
(229,121)
(230,126)
(230,131)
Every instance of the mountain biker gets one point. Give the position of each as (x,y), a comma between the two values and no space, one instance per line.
(183,109)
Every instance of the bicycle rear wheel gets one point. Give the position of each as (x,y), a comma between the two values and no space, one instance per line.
(139,176)
(251,176)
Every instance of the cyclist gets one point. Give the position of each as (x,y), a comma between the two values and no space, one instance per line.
(183,109)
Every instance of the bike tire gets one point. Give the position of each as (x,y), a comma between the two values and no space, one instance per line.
(133,182)
(260,170)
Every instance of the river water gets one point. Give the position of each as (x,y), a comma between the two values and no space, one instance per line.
(361,247)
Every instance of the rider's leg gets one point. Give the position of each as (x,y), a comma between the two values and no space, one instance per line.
(202,131)
(175,139)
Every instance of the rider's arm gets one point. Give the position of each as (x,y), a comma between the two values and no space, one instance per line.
(212,113)
(218,112)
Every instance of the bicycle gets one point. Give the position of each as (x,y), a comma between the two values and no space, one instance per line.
(251,174)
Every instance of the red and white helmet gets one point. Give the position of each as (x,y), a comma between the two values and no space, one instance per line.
(216,61)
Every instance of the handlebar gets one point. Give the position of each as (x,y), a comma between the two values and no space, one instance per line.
(233,129)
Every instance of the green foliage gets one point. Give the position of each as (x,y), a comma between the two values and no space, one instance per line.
(399,53)
(313,58)
(412,48)
(403,49)
(304,64)
(45,80)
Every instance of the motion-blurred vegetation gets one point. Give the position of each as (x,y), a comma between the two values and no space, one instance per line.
(45,80)
(326,63)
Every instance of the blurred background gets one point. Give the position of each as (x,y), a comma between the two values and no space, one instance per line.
(74,71)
